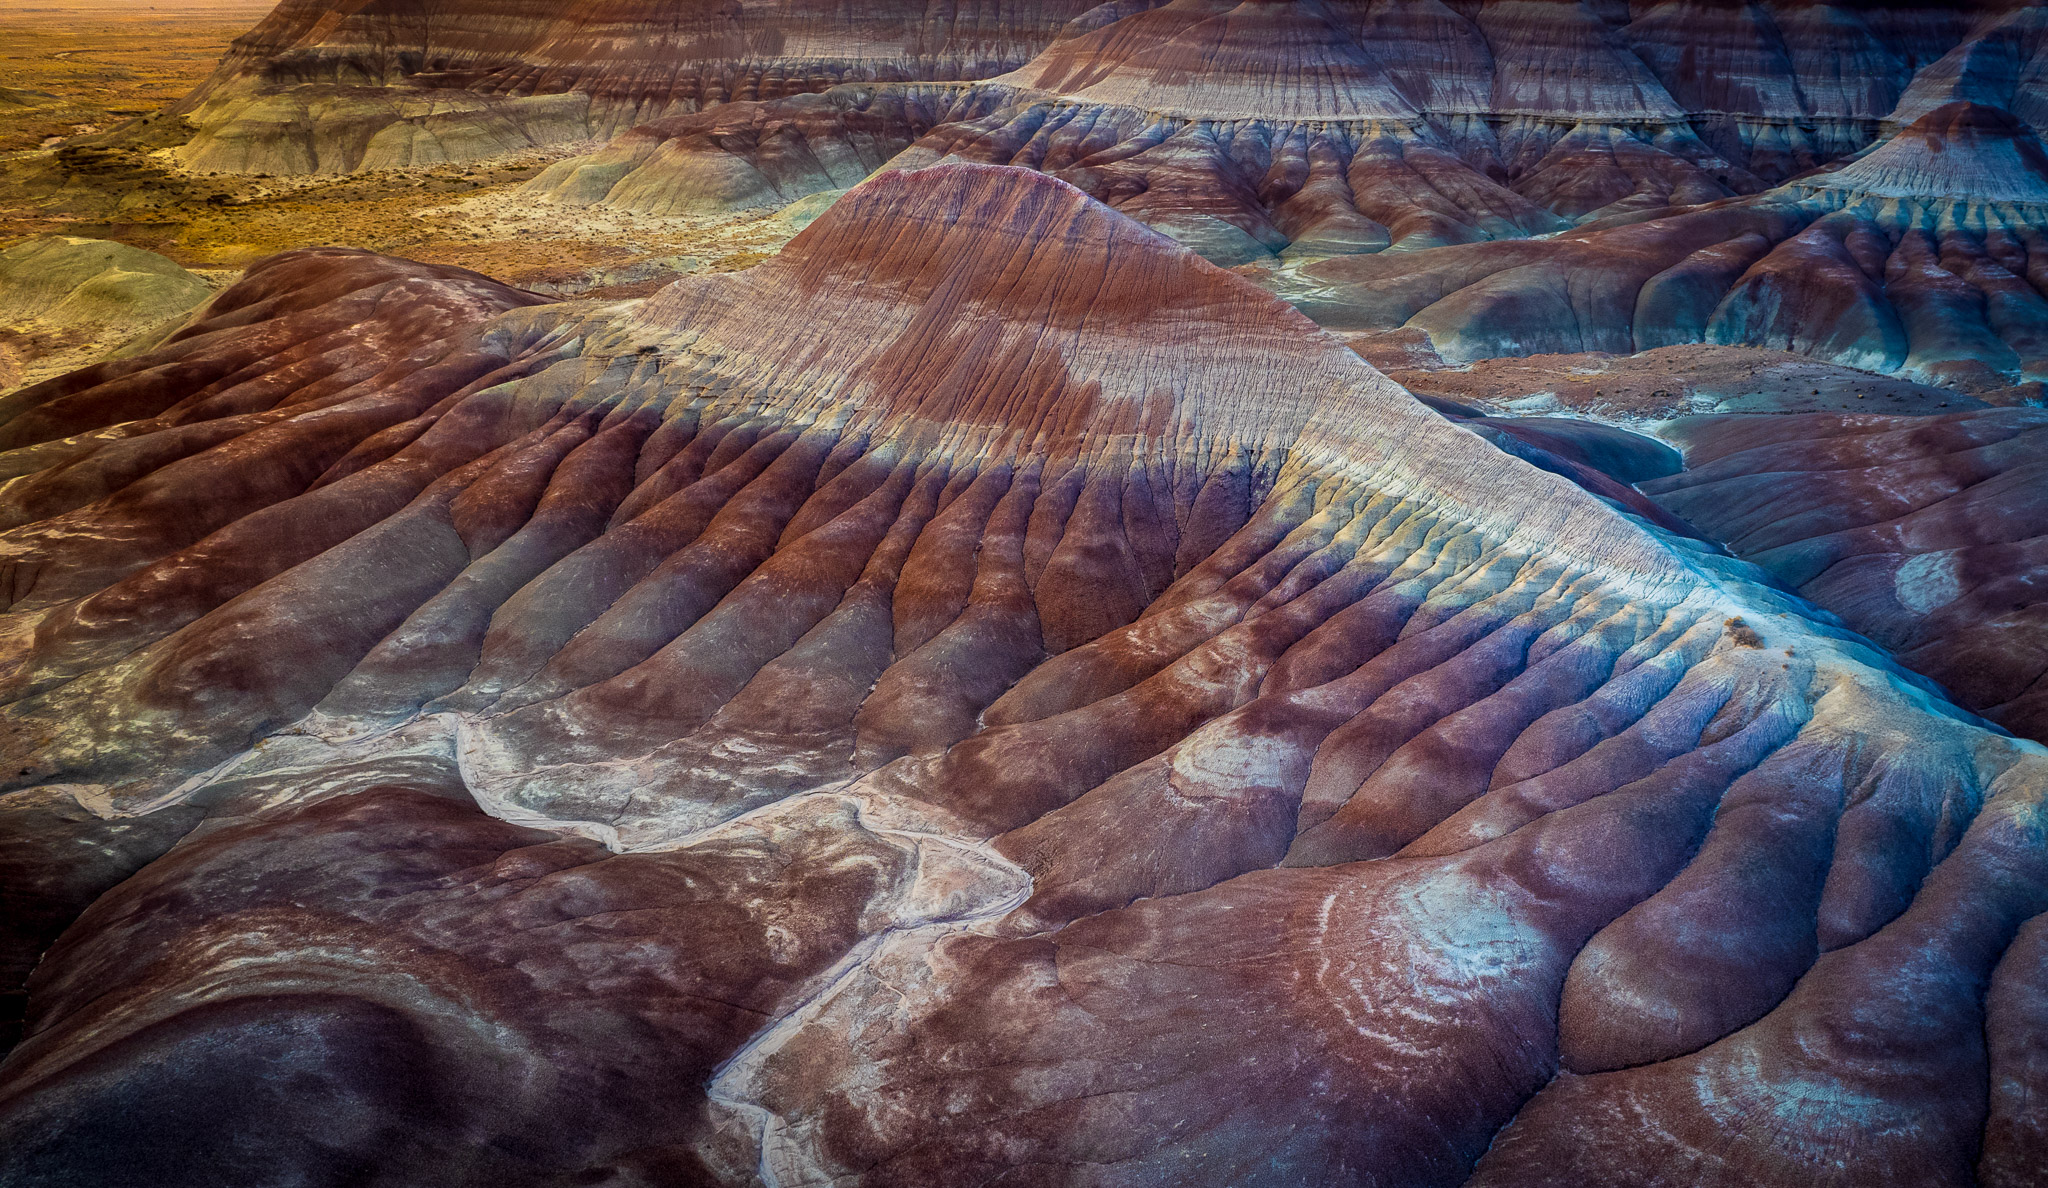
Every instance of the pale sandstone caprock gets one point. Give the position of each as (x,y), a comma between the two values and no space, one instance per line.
(984,696)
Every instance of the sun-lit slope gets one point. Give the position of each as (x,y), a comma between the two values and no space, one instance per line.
(983,693)
(66,302)
(747,155)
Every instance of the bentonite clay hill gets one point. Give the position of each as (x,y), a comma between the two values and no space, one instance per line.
(1316,129)
(984,696)
(1855,182)
(1925,256)
(323,86)
(1923,533)
(67,302)
(1861,183)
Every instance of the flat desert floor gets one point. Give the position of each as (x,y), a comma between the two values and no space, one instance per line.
(79,67)
(71,70)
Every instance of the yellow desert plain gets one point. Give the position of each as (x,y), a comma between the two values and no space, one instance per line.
(72,69)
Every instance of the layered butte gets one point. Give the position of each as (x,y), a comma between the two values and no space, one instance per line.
(1925,256)
(1349,125)
(982,695)
(332,86)
(1859,183)
(1576,106)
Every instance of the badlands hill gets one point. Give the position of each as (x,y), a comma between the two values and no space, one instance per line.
(1925,255)
(326,86)
(1344,125)
(983,695)
(1692,98)
(1859,183)
(66,302)
(1855,182)
(1922,533)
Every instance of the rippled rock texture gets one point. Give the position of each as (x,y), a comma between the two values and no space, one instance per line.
(749,155)
(1652,386)
(1923,533)
(1859,183)
(1334,128)
(984,695)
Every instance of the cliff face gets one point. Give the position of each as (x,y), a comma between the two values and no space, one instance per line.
(985,693)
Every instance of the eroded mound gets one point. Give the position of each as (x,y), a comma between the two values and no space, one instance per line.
(1923,533)
(1936,270)
(1964,152)
(327,87)
(65,302)
(1049,712)
(750,155)
(1248,129)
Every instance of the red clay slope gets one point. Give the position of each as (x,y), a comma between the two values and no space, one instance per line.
(1923,533)
(326,86)
(984,694)
(1925,257)
(1330,127)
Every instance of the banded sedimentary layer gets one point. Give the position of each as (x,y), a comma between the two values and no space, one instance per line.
(985,693)
(1249,129)
(65,302)
(1923,533)
(748,155)
(1861,184)
(1925,256)
(329,87)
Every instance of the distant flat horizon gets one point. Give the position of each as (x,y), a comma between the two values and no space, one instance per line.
(46,7)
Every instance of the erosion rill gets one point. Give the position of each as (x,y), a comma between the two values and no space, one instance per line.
(326,87)
(1002,691)
(983,693)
